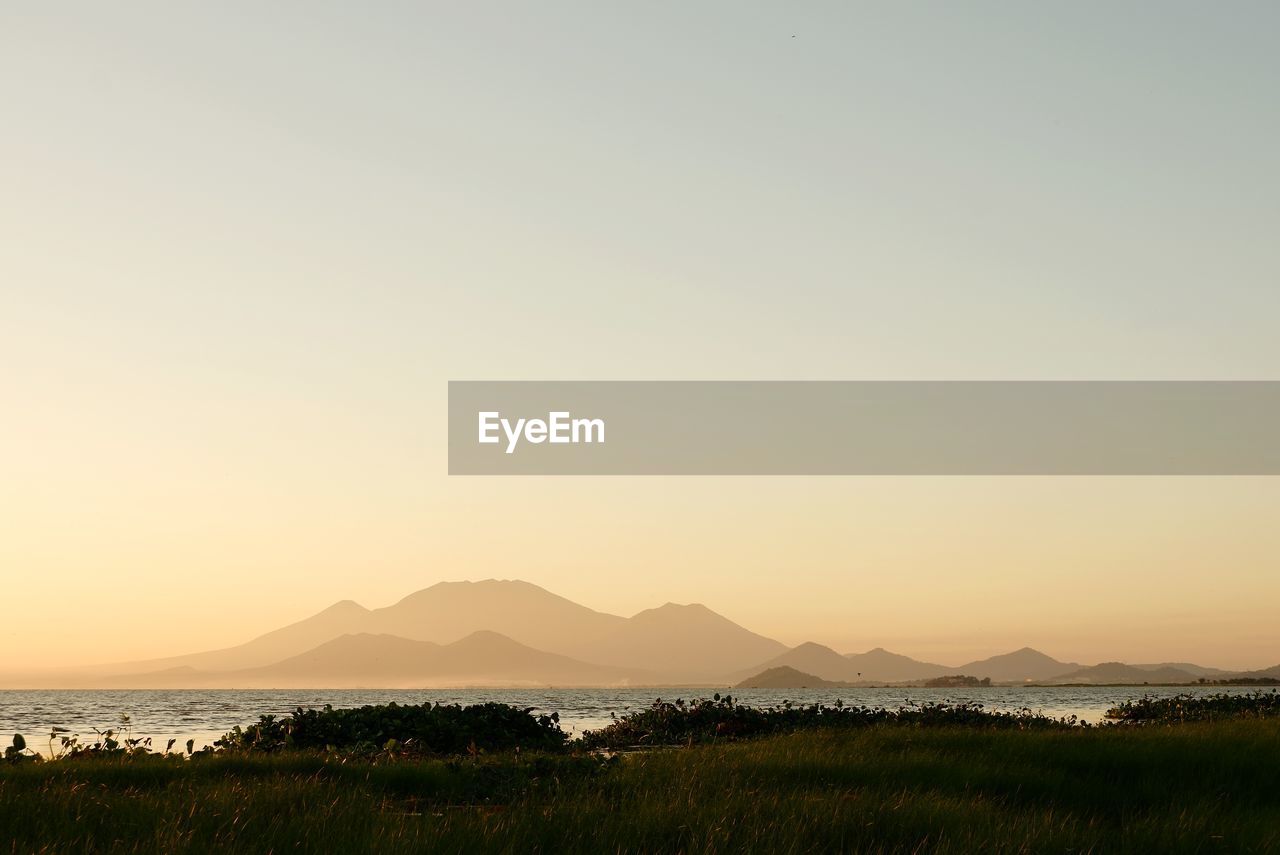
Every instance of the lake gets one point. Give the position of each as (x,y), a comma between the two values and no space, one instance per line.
(204,715)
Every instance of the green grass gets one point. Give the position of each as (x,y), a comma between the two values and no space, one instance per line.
(887,788)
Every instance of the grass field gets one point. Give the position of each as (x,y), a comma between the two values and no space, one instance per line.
(1202,787)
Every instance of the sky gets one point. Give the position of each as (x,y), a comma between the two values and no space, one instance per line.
(243,249)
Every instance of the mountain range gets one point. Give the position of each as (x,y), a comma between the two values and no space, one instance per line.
(881,666)
(513,633)
(362,660)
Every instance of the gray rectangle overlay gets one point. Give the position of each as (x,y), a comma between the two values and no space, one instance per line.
(866,428)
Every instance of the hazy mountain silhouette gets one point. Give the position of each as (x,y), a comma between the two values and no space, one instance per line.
(685,642)
(874,666)
(1263,673)
(510,631)
(1189,667)
(389,661)
(1119,672)
(784,677)
(1018,666)
(681,642)
(880,665)
(338,619)
(525,612)
(442,613)
(810,659)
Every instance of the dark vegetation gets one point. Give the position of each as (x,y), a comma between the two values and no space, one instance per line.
(1184,708)
(1243,681)
(424,729)
(1181,775)
(683,722)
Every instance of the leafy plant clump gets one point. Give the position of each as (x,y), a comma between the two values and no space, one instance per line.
(1184,708)
(411,729)
(115,742)
(708,720)
(17,752)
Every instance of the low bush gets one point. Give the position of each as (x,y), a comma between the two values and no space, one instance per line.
(708,720)
(412,729)
(1183,708)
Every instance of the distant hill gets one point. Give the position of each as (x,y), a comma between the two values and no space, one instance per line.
(442,613)
(784,677)
(1273,672)
(1119,672)
(1019,666)
(880,665)
(1190,668)
(338,619)
(874,666)
(525,612)
(689,643)
(388,661)
(810,659)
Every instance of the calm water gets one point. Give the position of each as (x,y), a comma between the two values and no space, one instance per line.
(204,715)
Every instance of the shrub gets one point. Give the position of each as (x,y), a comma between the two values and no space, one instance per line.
(1182,708)
(702,720)
(422,729)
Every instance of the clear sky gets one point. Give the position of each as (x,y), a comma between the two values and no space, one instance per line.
(242,249)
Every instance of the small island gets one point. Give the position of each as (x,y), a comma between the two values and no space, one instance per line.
(957,681)
(786,677)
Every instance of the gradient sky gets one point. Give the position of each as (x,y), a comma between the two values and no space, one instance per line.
(242,249)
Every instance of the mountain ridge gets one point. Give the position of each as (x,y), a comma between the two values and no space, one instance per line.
(672,643)
(377,660)
(685,642)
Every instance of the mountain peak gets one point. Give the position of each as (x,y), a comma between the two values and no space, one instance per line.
(495,588)
(818,660)
(345,607)
(468,584)
(487,637)
(674,611)
(812,647)
(359,637)
(1025,663)
(689,642)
